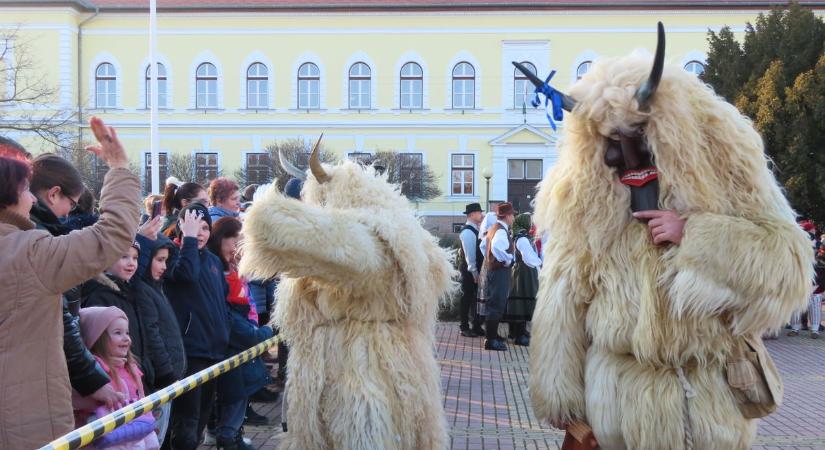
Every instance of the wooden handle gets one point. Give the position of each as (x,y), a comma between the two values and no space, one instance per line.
(583,433)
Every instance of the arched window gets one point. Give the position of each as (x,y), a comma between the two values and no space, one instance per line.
(257,86)
(161,86)
(522,87)
(464,86)
(359,86)
(105,86)
(583,69)
(412,86)
(206,86)
(309,86)
(695,67)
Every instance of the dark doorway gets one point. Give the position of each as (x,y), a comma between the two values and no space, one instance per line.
(522,177)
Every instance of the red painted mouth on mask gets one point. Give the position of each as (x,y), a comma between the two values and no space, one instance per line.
(639,177)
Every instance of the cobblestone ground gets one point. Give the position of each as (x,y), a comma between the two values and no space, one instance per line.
(488,407)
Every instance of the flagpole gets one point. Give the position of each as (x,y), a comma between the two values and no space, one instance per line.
(154,138)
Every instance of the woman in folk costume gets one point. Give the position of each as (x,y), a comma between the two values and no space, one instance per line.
(496,276)
(525,284)
(360,284)
(651,285)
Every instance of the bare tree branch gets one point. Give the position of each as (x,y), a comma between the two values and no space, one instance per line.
(28,103)
(181,166)
(417,180)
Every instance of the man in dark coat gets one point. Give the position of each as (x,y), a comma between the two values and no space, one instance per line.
(471,261)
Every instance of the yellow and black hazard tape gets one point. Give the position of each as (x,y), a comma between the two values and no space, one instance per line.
(85,435)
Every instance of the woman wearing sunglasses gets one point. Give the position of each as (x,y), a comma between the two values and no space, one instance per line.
(57,186)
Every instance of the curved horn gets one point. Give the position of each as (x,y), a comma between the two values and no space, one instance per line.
(315,163)
(567,102)
(646,91)
(290,168)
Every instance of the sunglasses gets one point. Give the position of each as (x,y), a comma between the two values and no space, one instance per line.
(71,200)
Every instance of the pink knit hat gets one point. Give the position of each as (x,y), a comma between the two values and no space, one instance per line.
(95,320)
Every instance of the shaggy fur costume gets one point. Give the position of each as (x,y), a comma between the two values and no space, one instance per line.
(617,314)
(360,284)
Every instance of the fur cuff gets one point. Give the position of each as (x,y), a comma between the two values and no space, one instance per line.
(759,272)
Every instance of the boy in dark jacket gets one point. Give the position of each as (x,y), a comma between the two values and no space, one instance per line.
(170,359)
(197,291)
(116,288)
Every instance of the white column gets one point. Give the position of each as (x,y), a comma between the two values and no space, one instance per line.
(153,114)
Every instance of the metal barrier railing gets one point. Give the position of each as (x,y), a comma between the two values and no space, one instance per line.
(86,434)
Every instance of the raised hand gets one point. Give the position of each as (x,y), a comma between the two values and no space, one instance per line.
(151,228)
(108,148)
(190,223)
(665,226)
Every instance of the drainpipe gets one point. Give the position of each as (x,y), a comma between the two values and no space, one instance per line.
(80,73)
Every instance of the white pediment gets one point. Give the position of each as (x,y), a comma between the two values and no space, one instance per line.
(524,134)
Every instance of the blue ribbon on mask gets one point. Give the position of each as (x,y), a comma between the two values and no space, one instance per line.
(552,98)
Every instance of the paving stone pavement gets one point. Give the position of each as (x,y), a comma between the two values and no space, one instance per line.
(488,406)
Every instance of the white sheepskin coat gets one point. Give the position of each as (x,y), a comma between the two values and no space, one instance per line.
(360,285)
(616,314)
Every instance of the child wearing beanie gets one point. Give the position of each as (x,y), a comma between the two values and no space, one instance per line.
(197,290)
(105,330)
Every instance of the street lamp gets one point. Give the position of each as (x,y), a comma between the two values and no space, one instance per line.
(487,174)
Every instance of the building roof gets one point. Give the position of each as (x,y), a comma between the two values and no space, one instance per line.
(296,5)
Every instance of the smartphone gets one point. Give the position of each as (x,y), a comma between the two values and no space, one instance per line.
(156,208)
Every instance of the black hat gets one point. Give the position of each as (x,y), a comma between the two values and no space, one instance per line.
(471,208)
(293,187)
(202,210)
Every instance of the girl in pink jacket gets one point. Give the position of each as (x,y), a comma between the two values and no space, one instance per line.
(105,330)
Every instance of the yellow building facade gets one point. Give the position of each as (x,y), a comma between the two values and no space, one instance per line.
(434,83)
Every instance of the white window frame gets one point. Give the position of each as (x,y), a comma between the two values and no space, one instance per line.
(206,78)
(362,84)
(582,69)
(411,80)
(464,168)
(259,81)
(519,83)
(695,63)
(147,86)
(463,56)
(464,79)
(586,56)
(308,79)
(110,82)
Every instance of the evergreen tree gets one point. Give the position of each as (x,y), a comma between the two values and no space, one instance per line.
(724,70)
(804,160)
(773,77)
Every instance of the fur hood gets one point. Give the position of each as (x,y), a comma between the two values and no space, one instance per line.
(402,257)
(712,170)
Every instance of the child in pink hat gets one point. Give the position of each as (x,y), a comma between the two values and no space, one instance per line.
(105,331)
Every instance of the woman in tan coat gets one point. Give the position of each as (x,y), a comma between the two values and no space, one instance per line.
(35,395)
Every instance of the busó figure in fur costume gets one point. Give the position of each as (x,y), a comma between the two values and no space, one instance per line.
(636,319)
(360,284)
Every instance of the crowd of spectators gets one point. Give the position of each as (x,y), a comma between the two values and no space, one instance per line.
(140,301)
